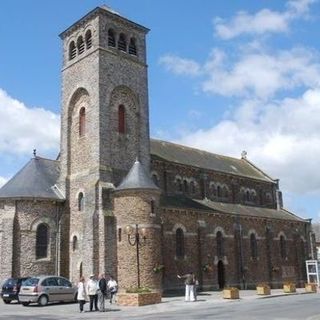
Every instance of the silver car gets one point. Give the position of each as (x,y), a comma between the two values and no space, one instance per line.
(44,289)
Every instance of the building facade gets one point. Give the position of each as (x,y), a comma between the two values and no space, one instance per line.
(112,186)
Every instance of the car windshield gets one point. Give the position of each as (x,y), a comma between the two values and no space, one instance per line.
(10,282)
(31,282)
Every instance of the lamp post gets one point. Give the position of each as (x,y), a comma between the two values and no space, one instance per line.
(136,239)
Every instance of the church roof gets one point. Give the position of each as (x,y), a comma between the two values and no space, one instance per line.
(202,159)
(230,208)
(137,178)
(35,180)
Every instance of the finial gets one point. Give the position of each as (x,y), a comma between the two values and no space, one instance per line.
(34,153)
(244,154)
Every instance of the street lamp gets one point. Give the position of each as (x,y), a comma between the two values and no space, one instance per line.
(136,239)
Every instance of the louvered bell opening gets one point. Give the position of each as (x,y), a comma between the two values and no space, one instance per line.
(89,43)
(73,53)
(132,49)
(122,46)
(81,47)
(111,41)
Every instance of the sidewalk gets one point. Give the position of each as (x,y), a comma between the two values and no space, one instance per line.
(173,303)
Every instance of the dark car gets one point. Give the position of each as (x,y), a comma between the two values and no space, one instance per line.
(11,288)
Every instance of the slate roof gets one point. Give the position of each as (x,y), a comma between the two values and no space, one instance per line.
(137,178)
(202,159)
(182,202)
(36,179)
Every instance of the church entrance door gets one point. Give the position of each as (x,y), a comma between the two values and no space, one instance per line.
(221,276)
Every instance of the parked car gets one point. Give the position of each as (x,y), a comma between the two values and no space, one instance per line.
(10,289)
(44,289)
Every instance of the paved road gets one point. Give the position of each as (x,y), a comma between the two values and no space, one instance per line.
(210,306)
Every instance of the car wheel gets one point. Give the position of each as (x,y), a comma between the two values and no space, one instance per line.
(6,301)
(25,303)
(43,301)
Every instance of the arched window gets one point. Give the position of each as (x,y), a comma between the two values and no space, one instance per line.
(132,47)
(82,121)
(283,247)
(111,38)
(72,50)
(213,190)
(122,43)
(42,240)
(225,192)
(253,246)
(152,206)
(74,243)
(247,195)
(121,119)
(179,185)
(219,191)
(80,45)
(155,179)
(192,187)
(80,201)
(179,243)
(88,39)
(185,186)
(219,240)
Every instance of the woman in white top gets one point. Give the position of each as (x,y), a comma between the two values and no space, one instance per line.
(82,295)
(112,287)
(92,291)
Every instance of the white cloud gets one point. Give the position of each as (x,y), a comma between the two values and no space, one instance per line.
(281,138)
(2,181)
(180,66)
(261,74)
(263,21)
(23,129)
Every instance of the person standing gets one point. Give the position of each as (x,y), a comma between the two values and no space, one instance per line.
(82,295)
(102,292)
(189,282)
(112,288)
(92,291)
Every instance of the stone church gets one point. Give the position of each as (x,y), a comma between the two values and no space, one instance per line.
(117,202)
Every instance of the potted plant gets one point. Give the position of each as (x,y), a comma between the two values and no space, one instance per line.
(230,293)
(138,297)
(158,268)
(289,287)
(263,289)
(206,267)
(310,287)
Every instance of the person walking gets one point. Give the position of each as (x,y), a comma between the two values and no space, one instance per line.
(92,291)
(82,295)
(189,282)
(112,288)
(102,292)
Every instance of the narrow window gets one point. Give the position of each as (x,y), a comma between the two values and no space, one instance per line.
(155,179)
(152,206)
(111,38)
(253,246)
(185,186)
(80,45)
(74,243)
(219,240)
(121,119)
(283,249)
(88,39)
(119,235)
(179,243)
(122,44)
(72,50)
(248,196)
(132,47)
(225,192)
(219,191)
(80,202)
(82,121)
(42,241)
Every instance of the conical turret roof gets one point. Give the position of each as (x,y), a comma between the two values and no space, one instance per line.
(137,178)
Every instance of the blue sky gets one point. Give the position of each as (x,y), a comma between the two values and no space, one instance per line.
(224,76)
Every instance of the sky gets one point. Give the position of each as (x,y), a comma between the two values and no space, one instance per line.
(224,76)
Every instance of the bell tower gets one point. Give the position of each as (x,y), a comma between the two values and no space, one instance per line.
(104,125)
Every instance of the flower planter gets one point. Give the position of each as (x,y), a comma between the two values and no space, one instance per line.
(263,290)
(311,287)
(231,293)
(289,288)
(138,299)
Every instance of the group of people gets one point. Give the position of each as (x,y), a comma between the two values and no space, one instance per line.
(191,283)
(96,290)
